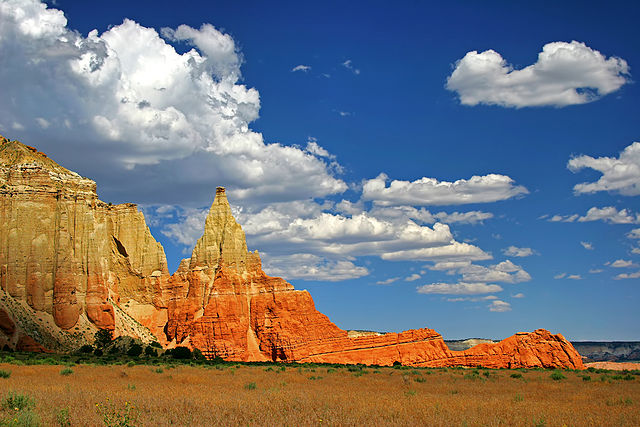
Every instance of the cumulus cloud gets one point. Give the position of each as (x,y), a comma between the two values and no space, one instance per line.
(430,191)
(423,215)
(308,227)
(387,281)
(619,175)
(518,295)
(565,218)
(587,245)
(634,234)
(458,288)
(621,276)
(611,215)
(565,74)
(560,276)
(499,306)
(303,68)
(312,267)
(622,263)
(596,270)
(412,278)
(574,277)
(127,109)
(505,272)
(518,252)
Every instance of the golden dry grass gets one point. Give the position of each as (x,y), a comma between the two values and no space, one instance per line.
(194,396)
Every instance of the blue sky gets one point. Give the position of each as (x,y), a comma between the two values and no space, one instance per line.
(298,109)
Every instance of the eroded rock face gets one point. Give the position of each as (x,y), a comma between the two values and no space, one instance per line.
(66,254)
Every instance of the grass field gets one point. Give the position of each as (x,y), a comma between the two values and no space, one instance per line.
(169,394)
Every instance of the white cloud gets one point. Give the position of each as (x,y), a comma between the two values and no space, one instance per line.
(471,217)
(635,251)
(622,263)
(189,227)
(412,278)
(635,275)
(574,277)
(499,306)
(565,74)
(387,281)
(634,234)
(472,299)
(458,288)
(560,276)
(303,68)
(430,191)
(587,245)
(620,175)
(453,251)
(518,295)
(596,270)
(128,110)
(348,64)
(312,267)
(611,215)
(425,216)
(561,218)
(518,252)
(449,265)
(314,148)
(505,272)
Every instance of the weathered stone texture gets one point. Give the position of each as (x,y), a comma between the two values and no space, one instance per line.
(66,253)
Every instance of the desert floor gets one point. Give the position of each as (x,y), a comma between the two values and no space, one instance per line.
(161,395)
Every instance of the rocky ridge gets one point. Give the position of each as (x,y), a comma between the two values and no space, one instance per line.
(70,264)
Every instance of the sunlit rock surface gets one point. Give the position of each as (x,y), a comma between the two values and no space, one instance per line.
(71,264)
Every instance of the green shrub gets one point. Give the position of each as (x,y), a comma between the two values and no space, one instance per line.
(420,380)
(250,386)
(586,378)
(98,352)
(155,344)
(150,351)
(516,375)
(181,353)
(66,371)
(557,375)
(86,349)
(135,350)
(4,374)
(18,402)
(103,337)
(159,370)
(62,417)
(114,416)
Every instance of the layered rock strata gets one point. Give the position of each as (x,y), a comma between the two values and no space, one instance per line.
(78,264)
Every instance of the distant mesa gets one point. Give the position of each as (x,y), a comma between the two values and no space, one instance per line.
(71,264)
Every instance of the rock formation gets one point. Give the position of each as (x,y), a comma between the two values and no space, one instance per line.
(70,264)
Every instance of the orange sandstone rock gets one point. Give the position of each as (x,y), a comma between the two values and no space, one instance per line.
(66,254)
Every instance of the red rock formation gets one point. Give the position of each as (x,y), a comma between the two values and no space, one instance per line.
(66,254)
(225,305)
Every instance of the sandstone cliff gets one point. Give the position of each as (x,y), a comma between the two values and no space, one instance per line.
(66,258)
(70,264)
